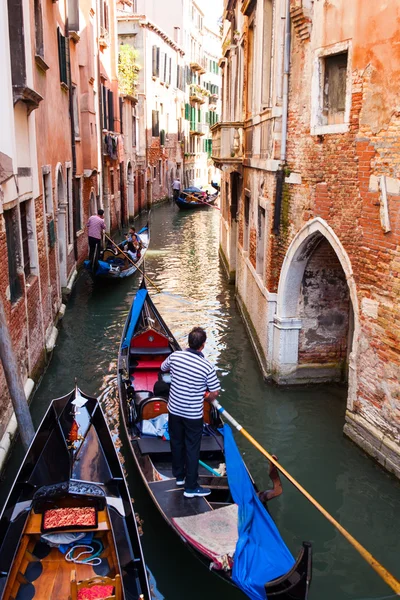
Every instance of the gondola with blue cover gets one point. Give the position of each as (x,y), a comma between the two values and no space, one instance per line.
(230,531)
(113,263)
(194,198)
(68,529)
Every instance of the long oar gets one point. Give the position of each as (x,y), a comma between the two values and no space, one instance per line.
(380,569)
(209,204)
(133,262)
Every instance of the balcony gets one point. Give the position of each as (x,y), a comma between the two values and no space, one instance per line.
(227,143)
(198,128)
(198,63)
(104,38)
(196,94)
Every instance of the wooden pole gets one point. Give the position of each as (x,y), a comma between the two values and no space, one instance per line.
(367,556)
(133,262)
(14,383)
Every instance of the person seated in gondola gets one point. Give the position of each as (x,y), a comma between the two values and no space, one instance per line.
(132,249)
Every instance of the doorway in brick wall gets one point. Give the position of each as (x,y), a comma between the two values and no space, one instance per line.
(316,312)
(62,216)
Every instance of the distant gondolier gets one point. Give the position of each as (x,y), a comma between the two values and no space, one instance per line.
(191,376)
(176,187)
(95,227)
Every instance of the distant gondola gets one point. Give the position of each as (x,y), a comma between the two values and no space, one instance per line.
(112,263)
(146,342)
(194,199)
(70,492)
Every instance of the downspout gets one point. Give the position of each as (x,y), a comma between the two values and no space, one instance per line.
(280,175)
(73,143)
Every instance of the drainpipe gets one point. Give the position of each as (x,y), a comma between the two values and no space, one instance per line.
(280,175)
(73,143)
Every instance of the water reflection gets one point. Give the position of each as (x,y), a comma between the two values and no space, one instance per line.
(302,426)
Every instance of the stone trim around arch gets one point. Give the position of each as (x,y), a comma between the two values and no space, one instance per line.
(286,322)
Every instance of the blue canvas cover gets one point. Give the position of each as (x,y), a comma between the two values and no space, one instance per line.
(261,554)
(135,314)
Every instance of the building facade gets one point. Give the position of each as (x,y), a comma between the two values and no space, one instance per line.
(307,148)
(61,158)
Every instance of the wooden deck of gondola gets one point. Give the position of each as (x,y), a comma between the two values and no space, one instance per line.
(173,503)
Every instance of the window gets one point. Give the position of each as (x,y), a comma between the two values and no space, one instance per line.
(334,91)
(78,204)
(121,114)
(156,61)
(160,172)
(155,123)
(260,242)
(13,252)
(69,205)
(62,58)
(39,46)
(331,98)
(250,68)
(17,41)
(76,111)
(133,130)
(154,172)
(266,56)
(25,238)
(110,103)
(47,191)
(104,102)
(246,220)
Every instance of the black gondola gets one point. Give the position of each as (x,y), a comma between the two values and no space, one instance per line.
(71,487)
(146,342)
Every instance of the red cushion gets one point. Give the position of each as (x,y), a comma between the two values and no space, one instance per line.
(60,518)
(149,364)
(95,593)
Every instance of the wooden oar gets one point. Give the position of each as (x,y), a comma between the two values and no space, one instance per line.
(208,203)
(133,262)
(380,569)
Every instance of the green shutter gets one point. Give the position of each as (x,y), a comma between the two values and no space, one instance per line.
(187,112)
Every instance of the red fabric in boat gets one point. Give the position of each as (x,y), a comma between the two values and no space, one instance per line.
(65,518)
(144,380)
(97,592)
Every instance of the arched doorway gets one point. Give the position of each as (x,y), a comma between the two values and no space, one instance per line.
(315,328)
(61,227)
(131,196)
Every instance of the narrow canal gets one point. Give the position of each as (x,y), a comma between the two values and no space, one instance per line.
(302,426)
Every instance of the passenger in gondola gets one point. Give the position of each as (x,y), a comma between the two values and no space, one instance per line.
(191,376)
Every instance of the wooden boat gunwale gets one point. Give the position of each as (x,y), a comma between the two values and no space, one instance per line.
(117,514)
(295,580)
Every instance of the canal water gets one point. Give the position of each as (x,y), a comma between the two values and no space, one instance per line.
(303,427)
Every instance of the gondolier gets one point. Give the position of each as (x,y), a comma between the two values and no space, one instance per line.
(191,376)
(176,187)
(95,227)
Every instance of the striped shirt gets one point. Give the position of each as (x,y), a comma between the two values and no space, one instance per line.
(191,376)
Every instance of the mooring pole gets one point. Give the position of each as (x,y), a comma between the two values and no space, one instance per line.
(14,383)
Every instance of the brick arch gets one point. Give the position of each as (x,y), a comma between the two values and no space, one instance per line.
(287,322)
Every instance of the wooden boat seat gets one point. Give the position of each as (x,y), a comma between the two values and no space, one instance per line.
(112,589)
(149,364)
(154,407)
(152,445)
(150,351)
(144,380)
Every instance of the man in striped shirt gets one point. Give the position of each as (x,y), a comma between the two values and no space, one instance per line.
(191,376)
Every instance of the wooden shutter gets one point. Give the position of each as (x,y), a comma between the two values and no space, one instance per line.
(155,126)
(154,61)
(110,110)
(170,71)
(62,57)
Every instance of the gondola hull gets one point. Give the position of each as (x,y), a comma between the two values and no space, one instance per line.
(70,484)
(143,347)
(115,265)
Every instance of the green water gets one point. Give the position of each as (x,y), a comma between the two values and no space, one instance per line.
(302,426)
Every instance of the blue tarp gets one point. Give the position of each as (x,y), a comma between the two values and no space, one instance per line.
(135,314)
(261,554)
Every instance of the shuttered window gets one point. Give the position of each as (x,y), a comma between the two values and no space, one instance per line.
(187,112)
(25,239)
(110,95)
(156,61)
(62,57)
(12,233)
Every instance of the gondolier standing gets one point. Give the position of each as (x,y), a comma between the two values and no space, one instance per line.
(191,376)
(176,187)
(95,227)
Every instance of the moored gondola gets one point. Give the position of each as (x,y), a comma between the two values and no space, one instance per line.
(115,262)
(143,389)
(68,529)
